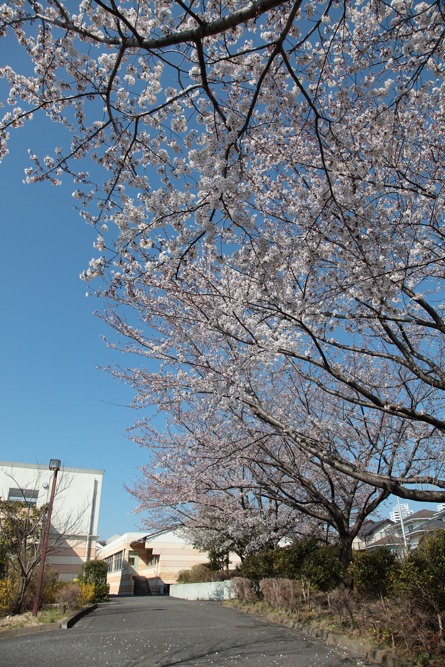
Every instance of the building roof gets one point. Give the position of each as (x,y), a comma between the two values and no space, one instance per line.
(151,536)
(40,466)
(370,526)
(421,514)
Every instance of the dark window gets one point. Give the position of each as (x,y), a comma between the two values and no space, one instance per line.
(28,496)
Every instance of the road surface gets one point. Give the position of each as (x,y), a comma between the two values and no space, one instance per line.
(162,632)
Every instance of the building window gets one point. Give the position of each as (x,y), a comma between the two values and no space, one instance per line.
(28,496)
(117,562)
(114,562)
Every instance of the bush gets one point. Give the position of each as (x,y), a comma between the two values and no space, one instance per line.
(280,593)
(263,565)
(307,559)
(6,597)
(322,567)
(69,597)
(421,580)
(346,605)
(199,574)
(87,593)
(11,586)
(50,587)
(374,572)
(282,562)
(95,572)
(245,589)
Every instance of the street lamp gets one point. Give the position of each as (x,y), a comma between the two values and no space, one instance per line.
(54,465)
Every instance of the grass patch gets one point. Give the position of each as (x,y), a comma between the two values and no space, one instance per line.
(50,615)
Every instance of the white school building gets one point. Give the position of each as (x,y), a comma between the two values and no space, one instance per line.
(75,515)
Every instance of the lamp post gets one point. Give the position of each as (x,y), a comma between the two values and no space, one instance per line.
(54,465)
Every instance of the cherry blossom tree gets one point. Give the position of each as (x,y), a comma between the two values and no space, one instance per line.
(212,496)
(225,475)
(267,185)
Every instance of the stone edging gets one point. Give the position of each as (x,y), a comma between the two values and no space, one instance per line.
(65,623)
(69,622)
(380,656)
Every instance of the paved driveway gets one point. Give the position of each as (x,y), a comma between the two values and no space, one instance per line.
(162,632)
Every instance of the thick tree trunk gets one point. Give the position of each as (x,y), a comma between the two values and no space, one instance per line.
(18,607)
(346,559)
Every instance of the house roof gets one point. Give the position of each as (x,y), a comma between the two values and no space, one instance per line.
(386,541)
(428,527)
(369,527)
(421,514)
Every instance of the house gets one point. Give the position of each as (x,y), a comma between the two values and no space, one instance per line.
(417,525)
(75,515)
(141,564)
(372,533)
(397,536)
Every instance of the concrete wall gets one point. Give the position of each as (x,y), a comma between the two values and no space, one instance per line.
(212,590)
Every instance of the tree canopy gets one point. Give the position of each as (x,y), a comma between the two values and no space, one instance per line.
(267,186)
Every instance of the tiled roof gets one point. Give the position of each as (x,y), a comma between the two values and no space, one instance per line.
(421,514)
(369,527)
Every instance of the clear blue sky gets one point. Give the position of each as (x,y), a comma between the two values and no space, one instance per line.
(54,400)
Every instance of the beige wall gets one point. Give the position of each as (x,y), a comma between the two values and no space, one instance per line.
(174,555)
(156,558)
(121,580)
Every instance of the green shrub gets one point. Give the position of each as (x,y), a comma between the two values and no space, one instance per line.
(374,572)
(422,574)
(263,565)
(95,572)
(308,559)
(322,567)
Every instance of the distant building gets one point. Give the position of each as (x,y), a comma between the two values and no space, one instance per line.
(141,564)
(74,521)
(403,510)
(374,534)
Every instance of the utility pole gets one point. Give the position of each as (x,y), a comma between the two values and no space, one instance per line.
(54,465)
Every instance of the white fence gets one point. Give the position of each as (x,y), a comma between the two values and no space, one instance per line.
(212,590)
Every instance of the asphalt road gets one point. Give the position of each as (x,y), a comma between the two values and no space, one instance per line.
(162,632)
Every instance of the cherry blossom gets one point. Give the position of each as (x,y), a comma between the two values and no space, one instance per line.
(267,186)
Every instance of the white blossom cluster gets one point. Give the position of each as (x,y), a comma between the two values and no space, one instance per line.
(267,184)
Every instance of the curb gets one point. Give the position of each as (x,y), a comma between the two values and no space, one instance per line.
(379,656)
(65,623)
(28,630)
(69,622)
